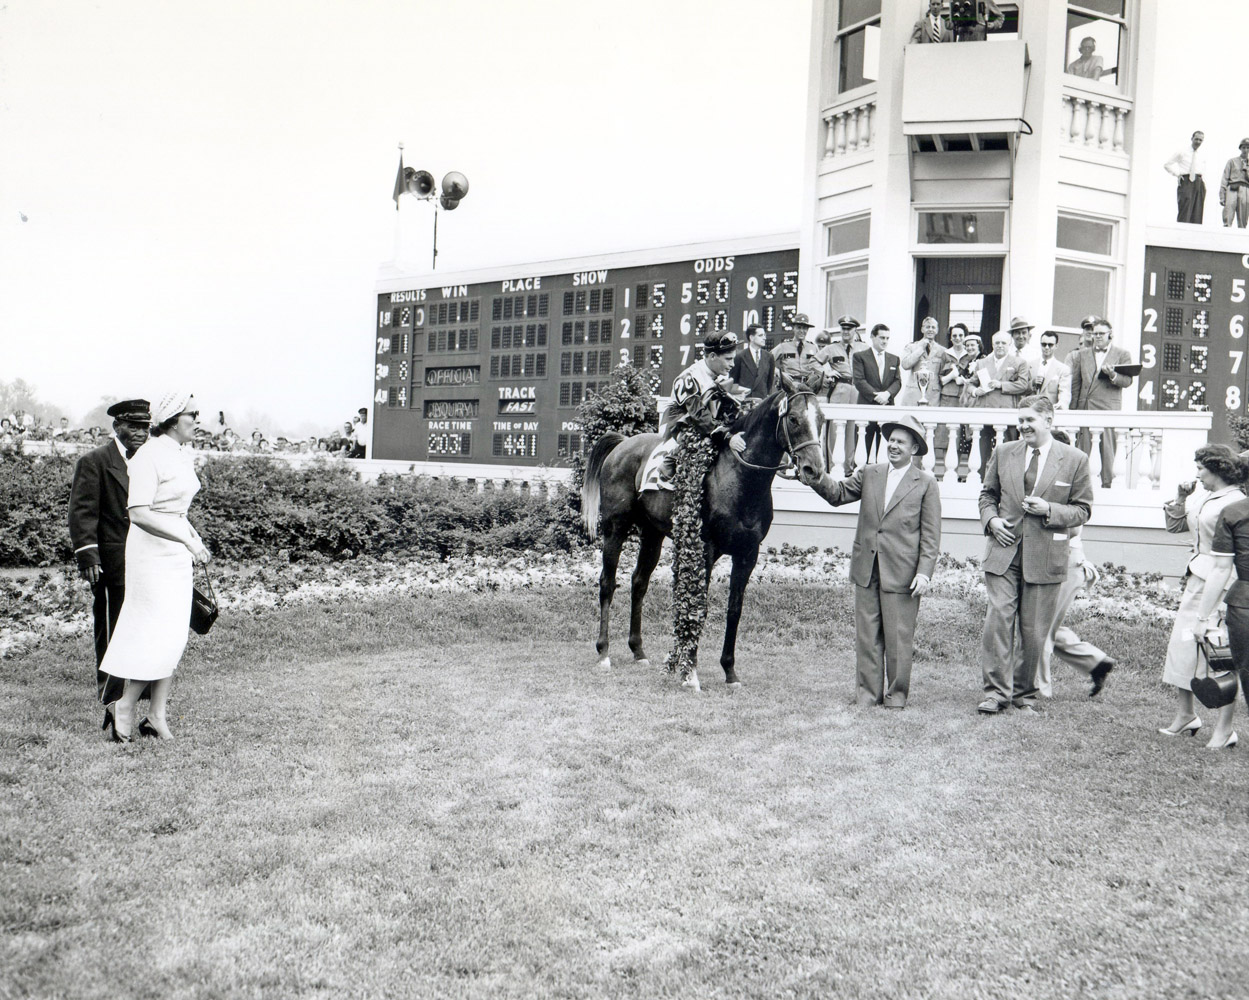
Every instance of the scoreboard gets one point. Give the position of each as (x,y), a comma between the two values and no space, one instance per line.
(493,371)
(1193,317)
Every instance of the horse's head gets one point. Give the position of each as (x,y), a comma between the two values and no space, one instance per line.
(798,427)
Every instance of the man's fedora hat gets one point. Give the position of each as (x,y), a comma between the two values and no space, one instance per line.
(1019,323)
(132,411)
(908,423)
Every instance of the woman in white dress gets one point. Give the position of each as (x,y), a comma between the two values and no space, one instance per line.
(161,549)
(1220,472)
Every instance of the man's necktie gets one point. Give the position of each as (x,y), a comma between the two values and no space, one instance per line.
(935,28)
(1029,476)
(1192,166)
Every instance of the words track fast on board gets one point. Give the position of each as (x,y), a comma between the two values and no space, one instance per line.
(494,371)
(1193,317)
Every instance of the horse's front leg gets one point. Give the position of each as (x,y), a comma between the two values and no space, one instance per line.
(613,542)
(648,558)
(743,566)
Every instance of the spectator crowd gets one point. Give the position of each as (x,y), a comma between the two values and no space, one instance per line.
(348,439)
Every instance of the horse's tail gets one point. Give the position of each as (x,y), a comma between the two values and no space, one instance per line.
(590,487)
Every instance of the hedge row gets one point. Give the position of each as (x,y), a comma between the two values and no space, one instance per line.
(257,506)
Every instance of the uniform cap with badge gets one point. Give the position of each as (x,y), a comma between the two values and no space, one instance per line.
(131,411)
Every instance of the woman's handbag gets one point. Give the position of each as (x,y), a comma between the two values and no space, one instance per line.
(1218,688)
(204,607)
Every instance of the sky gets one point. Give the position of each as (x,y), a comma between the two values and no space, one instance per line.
(207,188)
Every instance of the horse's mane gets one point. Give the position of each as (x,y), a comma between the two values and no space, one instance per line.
(747,423)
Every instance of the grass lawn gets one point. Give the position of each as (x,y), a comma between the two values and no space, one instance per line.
(441,797)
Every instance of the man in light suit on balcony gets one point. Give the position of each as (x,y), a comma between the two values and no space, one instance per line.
(1095,385)
(932,27)
(1002,379)
(1052,378)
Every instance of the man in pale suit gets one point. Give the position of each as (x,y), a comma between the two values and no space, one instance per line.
(753,368)
(896,543)
(1035,490)
(1095,385)
(1052,379)
(932,27)
(1002,379)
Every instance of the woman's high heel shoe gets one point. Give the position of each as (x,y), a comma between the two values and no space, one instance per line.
(1227,744)
(110,723)
(1188,729)
(148,728)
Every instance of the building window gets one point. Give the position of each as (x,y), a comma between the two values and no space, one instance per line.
(962,227)
(858,43)
(1080,290)
(849,235)
(846,293)
(1086,235)
(1096,31)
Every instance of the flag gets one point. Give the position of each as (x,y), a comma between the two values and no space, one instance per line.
(399,188)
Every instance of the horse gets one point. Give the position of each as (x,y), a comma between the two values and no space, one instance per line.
(737,507)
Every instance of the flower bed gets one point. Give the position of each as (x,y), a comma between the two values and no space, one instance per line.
(36,605)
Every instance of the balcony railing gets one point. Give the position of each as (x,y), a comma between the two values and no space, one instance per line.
(848,127)
(1094,121)
(1153,450)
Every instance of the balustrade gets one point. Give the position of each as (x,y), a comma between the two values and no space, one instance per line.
(1094,122)
(849,128)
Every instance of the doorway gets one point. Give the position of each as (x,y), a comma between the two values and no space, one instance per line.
(964,290)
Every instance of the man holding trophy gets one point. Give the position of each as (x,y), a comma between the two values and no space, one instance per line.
(922,362)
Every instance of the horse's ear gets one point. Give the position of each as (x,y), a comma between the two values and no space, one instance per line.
(788,384)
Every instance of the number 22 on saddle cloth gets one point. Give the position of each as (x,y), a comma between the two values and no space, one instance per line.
(699,400)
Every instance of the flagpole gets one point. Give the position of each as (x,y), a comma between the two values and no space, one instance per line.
(398,217)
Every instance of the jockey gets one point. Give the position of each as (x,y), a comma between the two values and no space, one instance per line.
(704,398)
(704,404)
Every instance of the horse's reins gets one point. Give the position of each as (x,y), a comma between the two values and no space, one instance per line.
(788,443)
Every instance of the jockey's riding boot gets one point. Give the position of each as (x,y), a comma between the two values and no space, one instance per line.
(668,468)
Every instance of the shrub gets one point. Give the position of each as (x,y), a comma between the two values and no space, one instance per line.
(255,506)
(34,510)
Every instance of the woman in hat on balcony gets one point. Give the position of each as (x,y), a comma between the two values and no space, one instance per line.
(161,549)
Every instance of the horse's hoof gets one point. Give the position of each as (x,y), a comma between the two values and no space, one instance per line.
(605,663)
(733,686)
(643,662)
(691,681)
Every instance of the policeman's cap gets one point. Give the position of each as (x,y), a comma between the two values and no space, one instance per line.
(1088,322)
(1244,143)
(801,319)
(848,321)
(720,343)
(131,411)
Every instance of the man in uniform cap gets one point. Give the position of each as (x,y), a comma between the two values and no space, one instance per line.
(896,541)
(98,523)
(796,357)
(1234,188)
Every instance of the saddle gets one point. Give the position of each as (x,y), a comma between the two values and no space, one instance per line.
(656,472)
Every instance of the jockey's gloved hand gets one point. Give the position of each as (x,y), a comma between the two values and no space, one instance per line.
(737,443)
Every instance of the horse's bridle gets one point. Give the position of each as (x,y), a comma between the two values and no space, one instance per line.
(781,430)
